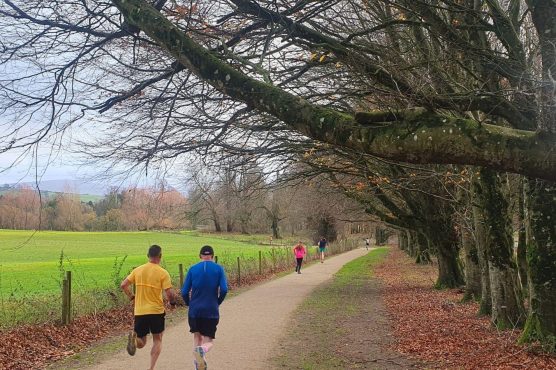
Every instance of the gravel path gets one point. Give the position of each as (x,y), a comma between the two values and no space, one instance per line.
(250,324)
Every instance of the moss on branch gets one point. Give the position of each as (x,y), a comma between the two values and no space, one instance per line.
(420,137)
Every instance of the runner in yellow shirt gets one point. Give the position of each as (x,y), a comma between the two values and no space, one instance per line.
(150,281)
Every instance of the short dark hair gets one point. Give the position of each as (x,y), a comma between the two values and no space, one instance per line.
(207,250)
(154,251)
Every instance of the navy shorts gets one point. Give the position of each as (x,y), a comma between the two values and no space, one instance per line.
(145,324)
(207,327)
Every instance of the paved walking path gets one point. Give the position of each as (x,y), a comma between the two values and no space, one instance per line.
(250,325)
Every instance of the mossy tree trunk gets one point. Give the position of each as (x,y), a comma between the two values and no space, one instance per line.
(522,239)
(444,238)
(541,197)
(403,242)
(541,260)
(507,301)
(472,268)
(422,252)
(485,306)
(381,235)
(413,241)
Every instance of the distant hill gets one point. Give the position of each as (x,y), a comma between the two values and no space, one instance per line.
(51,194)
(86,191)
(61,186)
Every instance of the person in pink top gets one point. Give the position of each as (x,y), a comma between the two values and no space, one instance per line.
(299,252)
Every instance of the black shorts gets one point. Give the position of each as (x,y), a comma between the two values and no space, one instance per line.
(207,327)
(145,324)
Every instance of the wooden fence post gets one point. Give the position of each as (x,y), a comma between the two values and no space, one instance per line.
(238,272)
(66,299)
(260,262)
(68,277)
(181,274)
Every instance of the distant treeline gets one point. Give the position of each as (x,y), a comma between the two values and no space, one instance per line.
(131,209)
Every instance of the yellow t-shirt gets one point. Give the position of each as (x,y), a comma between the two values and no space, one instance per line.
(150,280)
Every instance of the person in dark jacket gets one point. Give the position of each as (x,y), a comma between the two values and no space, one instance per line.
(204,289)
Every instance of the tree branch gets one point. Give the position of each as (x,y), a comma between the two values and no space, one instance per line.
(419,138)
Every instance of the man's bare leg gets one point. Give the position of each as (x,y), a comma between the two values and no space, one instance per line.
(197,339)
(207,343)
(141,342)
(202,341)
(156,349)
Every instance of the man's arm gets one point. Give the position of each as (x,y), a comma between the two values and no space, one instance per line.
(125,286)
(171,296)
(223,287)
(186,288)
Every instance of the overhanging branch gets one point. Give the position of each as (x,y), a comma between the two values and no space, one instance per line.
(418,138)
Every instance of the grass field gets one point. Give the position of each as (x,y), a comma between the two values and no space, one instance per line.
(32,263)
(32,266)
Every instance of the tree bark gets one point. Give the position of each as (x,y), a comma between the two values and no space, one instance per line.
(541,259)
(422,252)
(522,238)
(507,301)
(445,241)
(472,267)
(216,221)
(403,240)
(485,306)
(275,228)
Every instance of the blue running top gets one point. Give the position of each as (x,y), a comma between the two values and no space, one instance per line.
(208,286)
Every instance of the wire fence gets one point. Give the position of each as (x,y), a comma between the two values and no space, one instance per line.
(241,269)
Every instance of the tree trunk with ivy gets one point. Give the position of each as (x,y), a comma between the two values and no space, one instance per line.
(403,242)
(541,259)
(507,301)
(541,197)
(485,305)
(443,237)
(381,235)
(522,239)
(472,268)
(411,243)
(422,251)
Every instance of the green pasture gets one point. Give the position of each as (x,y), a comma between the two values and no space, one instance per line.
(33,263)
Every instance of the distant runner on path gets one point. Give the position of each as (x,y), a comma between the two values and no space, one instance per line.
(206,281)
(299,252)
(367,243)
(150,281)
(322,247)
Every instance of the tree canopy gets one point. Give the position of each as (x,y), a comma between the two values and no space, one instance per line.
(424,82)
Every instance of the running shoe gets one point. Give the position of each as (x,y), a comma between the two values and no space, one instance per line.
(200,358)
(131,345)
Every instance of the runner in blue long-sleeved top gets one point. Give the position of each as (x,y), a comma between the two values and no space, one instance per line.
(206,281)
